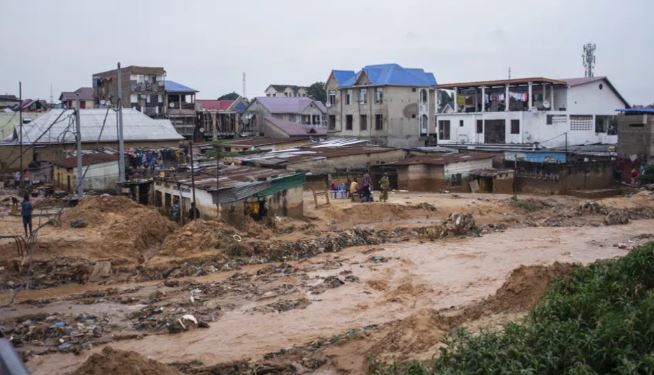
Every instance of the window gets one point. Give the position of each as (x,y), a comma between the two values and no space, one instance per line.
(379,95)
(460,123)
(423,96)
(424,123)
(556,119)
(315,120)
(641,125)
(348,97)
(160,98)
(363,122)
(581,122)
(456,179)
(480,126)
(133,98)
(363,96)
(379,122)
(515,126)
(605,124)
(332,122)
(292,118)
(444,129)
(332,97)
(348,122)
(306,119)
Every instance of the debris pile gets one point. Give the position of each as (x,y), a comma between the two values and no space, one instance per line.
(591,208)
(172,319)
(112,361)
(456,224)
(617,217)
(56,332)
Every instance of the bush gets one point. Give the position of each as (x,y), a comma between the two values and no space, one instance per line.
(600,320)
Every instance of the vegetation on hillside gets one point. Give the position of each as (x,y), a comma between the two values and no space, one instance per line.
(600,320)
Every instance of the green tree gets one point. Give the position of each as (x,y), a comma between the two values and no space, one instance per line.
(231,96)
(317,91)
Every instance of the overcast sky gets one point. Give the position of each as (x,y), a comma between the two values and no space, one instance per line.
(207,45)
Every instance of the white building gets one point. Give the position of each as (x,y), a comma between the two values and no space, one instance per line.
(540,110)
(291,91)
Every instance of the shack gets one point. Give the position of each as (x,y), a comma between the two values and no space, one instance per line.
(233,192)
(100,172)
(439,172)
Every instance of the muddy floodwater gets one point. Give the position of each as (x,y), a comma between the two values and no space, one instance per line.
(388,282)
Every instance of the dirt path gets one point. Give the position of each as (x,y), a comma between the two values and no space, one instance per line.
(394,281)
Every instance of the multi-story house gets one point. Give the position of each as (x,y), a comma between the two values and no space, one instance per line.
(83,94)
(549,112)
(179,107)
(303,111)
(142,88)
(290,91)
(387,104)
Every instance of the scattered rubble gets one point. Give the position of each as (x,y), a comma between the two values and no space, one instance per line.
(43,333)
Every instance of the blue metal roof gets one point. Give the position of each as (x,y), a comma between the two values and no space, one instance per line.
(343,76)
(388,75)
(172,86)
(636,110)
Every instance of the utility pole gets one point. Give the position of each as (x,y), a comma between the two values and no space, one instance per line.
(119,119)
(190,150)
(78,127)
(20,127)
(244,85)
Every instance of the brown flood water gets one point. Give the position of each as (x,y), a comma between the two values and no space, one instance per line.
(418,275)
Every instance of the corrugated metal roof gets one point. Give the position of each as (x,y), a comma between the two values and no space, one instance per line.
(214,105)
(172,86)
(444,159)
(293,129)
(513,81)
(9,120)
(136,127)
(85,93)
(277,104)
(392,75)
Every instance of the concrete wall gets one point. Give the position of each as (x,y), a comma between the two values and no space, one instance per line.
(560,179)
(400,108)
(425,177)
(635,136)
(99,177)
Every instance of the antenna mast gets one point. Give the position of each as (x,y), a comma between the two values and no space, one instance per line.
(244,85)
(588,59)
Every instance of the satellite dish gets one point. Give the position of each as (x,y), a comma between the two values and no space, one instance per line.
(171,105)
(546,104)
(201,130)
(103,102)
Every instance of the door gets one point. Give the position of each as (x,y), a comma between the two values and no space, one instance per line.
(495,131)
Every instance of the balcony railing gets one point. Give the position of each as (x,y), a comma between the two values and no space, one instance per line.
(145,86)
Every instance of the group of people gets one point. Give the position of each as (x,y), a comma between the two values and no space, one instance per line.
(175,211)
(362,187)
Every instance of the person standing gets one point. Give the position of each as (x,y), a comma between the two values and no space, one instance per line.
(354,189)
(174,211)
(366,185)
(26,212)
(193,212)
(385,184)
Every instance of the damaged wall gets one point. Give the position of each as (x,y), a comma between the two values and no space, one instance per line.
(561,178)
